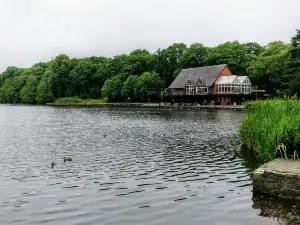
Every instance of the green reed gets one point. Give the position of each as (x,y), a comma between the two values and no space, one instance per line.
(272,129)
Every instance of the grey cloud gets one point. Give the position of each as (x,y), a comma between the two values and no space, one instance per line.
(36,30)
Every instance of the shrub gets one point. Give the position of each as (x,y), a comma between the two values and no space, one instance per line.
(69,100)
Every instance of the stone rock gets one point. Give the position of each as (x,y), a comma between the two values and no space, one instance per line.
(279,178)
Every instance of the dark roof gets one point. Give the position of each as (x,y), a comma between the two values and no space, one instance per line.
(208,73)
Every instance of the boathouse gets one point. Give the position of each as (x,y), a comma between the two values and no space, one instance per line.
(210,84)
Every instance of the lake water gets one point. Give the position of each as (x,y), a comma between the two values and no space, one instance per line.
(130,166)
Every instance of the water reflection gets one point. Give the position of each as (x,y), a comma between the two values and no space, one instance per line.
(285,212)
(130,166)
(249,160)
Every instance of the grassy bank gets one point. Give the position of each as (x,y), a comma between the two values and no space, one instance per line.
(69,100)
(272,129)
(76,101)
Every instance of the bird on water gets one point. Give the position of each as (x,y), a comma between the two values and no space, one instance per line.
(53,164)
(67,159)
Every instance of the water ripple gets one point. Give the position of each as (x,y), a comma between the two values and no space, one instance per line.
(138,166)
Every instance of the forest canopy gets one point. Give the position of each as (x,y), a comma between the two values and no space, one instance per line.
(141,75)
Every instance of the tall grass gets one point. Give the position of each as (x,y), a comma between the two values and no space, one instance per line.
(71,100)
(272,129)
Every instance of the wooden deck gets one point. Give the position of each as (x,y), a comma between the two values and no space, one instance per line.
(230,107)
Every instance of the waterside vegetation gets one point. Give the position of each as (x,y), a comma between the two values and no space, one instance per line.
(140,76)
(272,129)
(74,100)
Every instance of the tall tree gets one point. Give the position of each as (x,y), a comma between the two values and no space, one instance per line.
(138,62)
(275,47)
(294,77)
(129,87)
(231,53)
(60,80)
(28,92)
(193,56)
(43,91)
(11,71)
(270,68)
(167,62)
(111,89)
(148,86)
(80,76)
(253,48)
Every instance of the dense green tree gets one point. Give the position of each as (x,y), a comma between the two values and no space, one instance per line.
(138,62)
(294,84)
(166,62)
(60,80)
(96,60)
(275,47)
(193,56)
(98,77)
(231,53)
(10,90)
(37,71)
(42,64)
(253,48)
(14,83)
(295,40)
(128,90)
(6,91)
(111,89)
(294,66)
(11,71)
(43,91)
(271,67)
(10,84)
(110,68)
(28,92)
(80,76)
(116,65)
(148,86)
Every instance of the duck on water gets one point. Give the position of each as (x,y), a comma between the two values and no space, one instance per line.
(66,159)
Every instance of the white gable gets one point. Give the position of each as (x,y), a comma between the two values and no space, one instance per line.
(228,80)
(244,80)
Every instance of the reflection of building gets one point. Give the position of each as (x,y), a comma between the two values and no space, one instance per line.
(212,83)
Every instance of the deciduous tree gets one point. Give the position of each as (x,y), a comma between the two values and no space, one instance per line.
(28,92)
(128,90)
(112,89)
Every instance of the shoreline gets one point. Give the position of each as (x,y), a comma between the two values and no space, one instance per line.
(150,105)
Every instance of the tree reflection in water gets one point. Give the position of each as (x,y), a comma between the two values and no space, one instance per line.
(286,212)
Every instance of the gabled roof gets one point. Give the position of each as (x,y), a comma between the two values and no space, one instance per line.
(243,78)
(233,79)
(209,73)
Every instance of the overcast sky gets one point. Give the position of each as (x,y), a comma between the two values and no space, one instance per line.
(37,30)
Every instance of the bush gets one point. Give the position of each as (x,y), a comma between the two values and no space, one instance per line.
(272,129)
(95,101)
(79,100)
(69,100)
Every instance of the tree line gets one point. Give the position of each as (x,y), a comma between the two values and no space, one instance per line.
(141,75)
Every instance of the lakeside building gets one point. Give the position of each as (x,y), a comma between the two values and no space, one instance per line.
(211,84)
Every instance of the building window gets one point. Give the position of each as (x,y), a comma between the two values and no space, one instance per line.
(224,88)
(190,90)
(234,86)
(200,90)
